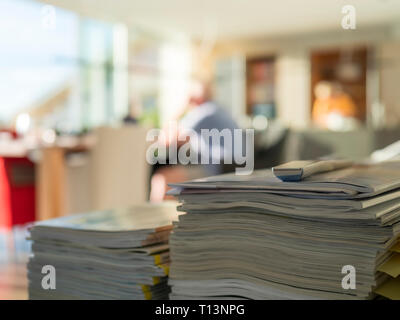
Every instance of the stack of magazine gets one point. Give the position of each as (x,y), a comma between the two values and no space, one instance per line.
(333,235)
(116,254)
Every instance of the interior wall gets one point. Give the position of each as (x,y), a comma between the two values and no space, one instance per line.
(293,88)
(389,66)
(230,85)
(293,63)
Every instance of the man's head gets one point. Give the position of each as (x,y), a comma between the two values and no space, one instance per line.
(199,91)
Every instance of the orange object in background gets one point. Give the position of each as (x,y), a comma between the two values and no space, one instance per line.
(17,191)
(331,99)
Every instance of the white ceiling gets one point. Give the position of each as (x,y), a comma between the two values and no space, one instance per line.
(236,18)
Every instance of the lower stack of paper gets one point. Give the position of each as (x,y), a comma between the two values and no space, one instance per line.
(332,236)
(120,254)
(391,288)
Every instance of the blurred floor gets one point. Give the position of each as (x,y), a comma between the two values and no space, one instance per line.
(14,252)
(13,281)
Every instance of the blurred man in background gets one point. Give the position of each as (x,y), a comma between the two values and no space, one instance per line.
(201,113)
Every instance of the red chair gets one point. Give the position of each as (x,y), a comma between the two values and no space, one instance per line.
(17,192)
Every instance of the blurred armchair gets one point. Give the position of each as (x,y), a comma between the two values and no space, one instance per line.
(113,173)
(118,167)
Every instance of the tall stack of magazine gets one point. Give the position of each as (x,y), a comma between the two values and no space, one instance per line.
(333,235)
(116,254)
